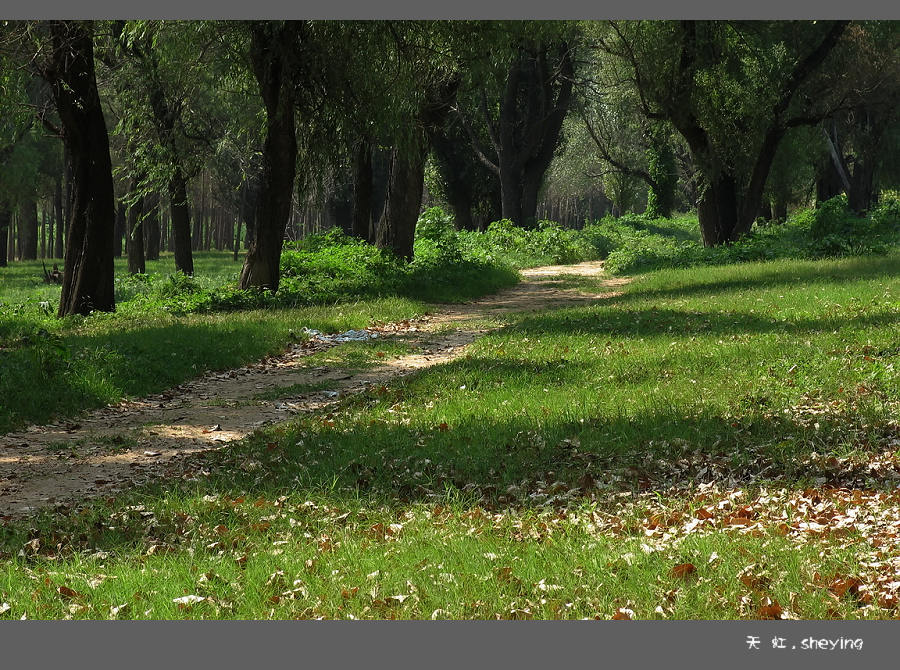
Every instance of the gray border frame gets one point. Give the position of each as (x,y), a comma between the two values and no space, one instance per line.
(425,644)
(455,9)
(228,644)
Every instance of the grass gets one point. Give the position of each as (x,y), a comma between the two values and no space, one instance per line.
(718,442)
(167,328)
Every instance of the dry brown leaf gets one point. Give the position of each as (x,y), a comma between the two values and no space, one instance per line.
(684,571)
(68,593)
(771,610)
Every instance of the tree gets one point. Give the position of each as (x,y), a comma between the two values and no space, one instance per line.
(662,171)
(66,62)
(730,90)
(160,71)
(275,58)
(524,124)
(856,132)
(470,188)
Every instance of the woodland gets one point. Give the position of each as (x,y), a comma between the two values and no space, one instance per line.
(449,319)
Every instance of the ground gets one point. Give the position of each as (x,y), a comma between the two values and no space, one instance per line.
(136,440)
(704,443)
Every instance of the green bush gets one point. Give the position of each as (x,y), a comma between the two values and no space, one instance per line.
(451,265)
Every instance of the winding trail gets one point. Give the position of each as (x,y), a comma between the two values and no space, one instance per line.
(115,447)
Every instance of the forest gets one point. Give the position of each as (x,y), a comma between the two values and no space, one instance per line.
(449,319)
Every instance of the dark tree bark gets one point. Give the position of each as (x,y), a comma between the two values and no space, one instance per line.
(60,220)
(5,219)
(273,55)
(28,230)
(340,203)
(152,233)
(88,271)
(121,228)
(43,231)
(181,223)
(828,181)
(533,107)
(472,189)
(362,191)
(135,237)
(397,227)
(69,197)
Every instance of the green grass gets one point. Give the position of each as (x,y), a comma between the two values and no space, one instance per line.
(564,468)
(168,328)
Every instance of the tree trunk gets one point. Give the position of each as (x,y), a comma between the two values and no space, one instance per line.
(781,210)
(28,230)
(532,111)
(717,210)
(5,218)
(88,271)
(43,231)
(181,223)
(121,229)
(60,220)
(362,191)
(862,186)
(135,244)
(70,195)
(237,238)
(828,181)
(272,53)
(177,186)
(397,227)
(151,228)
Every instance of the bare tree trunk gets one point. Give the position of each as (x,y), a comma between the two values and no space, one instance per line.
(135,245)
(60,221)
(43,231)
(181,223)
(397,228)
(28,230)
(272,52)
(88,271)
(5,219)
(121,228)
(151,228)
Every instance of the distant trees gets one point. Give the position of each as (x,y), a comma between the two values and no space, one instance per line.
(223,133)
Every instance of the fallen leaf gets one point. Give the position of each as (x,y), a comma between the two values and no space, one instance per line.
(68,593)
(772,610)
(684,570)
(840,587)
(623,614)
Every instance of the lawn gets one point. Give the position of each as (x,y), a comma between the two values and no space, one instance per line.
(716,442)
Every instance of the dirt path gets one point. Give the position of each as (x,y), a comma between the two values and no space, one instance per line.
(134,441)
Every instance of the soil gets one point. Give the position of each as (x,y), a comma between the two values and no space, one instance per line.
(135,441)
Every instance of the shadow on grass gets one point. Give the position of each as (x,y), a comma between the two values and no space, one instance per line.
(763,277)
(84,371)
(352,459)
(613,322)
